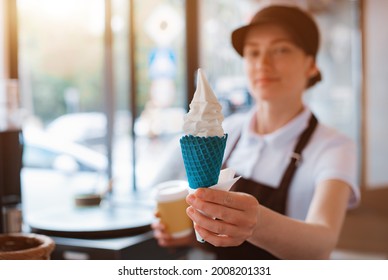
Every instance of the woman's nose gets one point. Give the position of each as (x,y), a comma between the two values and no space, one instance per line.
(263,60)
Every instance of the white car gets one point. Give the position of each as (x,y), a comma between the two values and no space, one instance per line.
(88,127)
(46,150)
(55,170)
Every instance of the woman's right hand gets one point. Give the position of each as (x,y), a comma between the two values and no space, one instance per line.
(166,240)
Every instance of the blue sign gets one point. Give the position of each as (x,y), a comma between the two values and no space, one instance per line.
(162,63)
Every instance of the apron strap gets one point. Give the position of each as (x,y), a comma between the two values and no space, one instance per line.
(296,156)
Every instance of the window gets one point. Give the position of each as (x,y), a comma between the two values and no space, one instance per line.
(79,99)
(61,60)
(228,82)
(160,74)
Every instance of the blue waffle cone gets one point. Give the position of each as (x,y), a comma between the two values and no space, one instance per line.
(202,157)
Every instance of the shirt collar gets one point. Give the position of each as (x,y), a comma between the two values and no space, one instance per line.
(280,136)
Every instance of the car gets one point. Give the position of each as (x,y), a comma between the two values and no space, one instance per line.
(88,128)
(46,150)
(55,170)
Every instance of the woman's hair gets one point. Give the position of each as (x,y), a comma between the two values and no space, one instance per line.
(298,24)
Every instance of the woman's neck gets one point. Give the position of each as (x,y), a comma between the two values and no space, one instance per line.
(270,118)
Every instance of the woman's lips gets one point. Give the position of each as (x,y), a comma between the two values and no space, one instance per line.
(265,80)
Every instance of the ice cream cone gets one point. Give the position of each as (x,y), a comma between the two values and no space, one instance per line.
(202,157)
(204,142)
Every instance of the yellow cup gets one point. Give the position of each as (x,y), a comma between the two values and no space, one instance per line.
(171,204)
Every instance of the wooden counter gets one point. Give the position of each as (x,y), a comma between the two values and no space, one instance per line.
(366,228)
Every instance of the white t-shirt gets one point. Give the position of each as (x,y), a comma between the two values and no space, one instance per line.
(328,155)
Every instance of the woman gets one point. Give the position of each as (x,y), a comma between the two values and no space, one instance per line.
(298,176)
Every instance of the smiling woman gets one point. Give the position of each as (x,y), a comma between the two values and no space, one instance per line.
(276,61)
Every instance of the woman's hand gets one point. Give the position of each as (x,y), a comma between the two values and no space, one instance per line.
(223,218)
(166,240)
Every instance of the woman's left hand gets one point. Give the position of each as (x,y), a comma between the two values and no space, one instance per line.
(223,218)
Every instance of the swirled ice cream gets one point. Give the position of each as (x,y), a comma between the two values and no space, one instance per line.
(204,118)
(203,144)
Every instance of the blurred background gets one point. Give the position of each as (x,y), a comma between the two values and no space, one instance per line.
(103,85)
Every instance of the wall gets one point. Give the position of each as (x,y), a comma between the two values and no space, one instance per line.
(376,92)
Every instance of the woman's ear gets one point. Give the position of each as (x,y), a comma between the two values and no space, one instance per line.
(312,69)
(313,74)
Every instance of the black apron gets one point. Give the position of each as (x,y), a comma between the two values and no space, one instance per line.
(272,198)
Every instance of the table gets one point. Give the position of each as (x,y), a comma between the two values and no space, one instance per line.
(138,247)
(102,232)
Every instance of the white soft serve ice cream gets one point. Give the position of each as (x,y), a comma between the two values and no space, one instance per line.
(204,117)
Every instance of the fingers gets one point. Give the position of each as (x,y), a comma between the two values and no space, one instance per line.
(166,240)
(158,225)
(157,214)
(229,215)
(160,234)
(223,218)
(223,205)
(217,240)
(235,200)
(241,230)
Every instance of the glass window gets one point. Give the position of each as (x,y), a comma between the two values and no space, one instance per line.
(336,100)
(38,157)
(61,85)
(224,66)
(63,79)
(160,74)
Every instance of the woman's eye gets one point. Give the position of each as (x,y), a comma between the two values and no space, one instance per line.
(281,50)
(252,53)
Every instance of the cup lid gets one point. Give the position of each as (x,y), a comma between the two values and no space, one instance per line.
(171,190)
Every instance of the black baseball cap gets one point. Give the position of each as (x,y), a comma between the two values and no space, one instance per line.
(298,23)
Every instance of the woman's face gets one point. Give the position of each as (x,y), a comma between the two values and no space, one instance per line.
(277,69)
